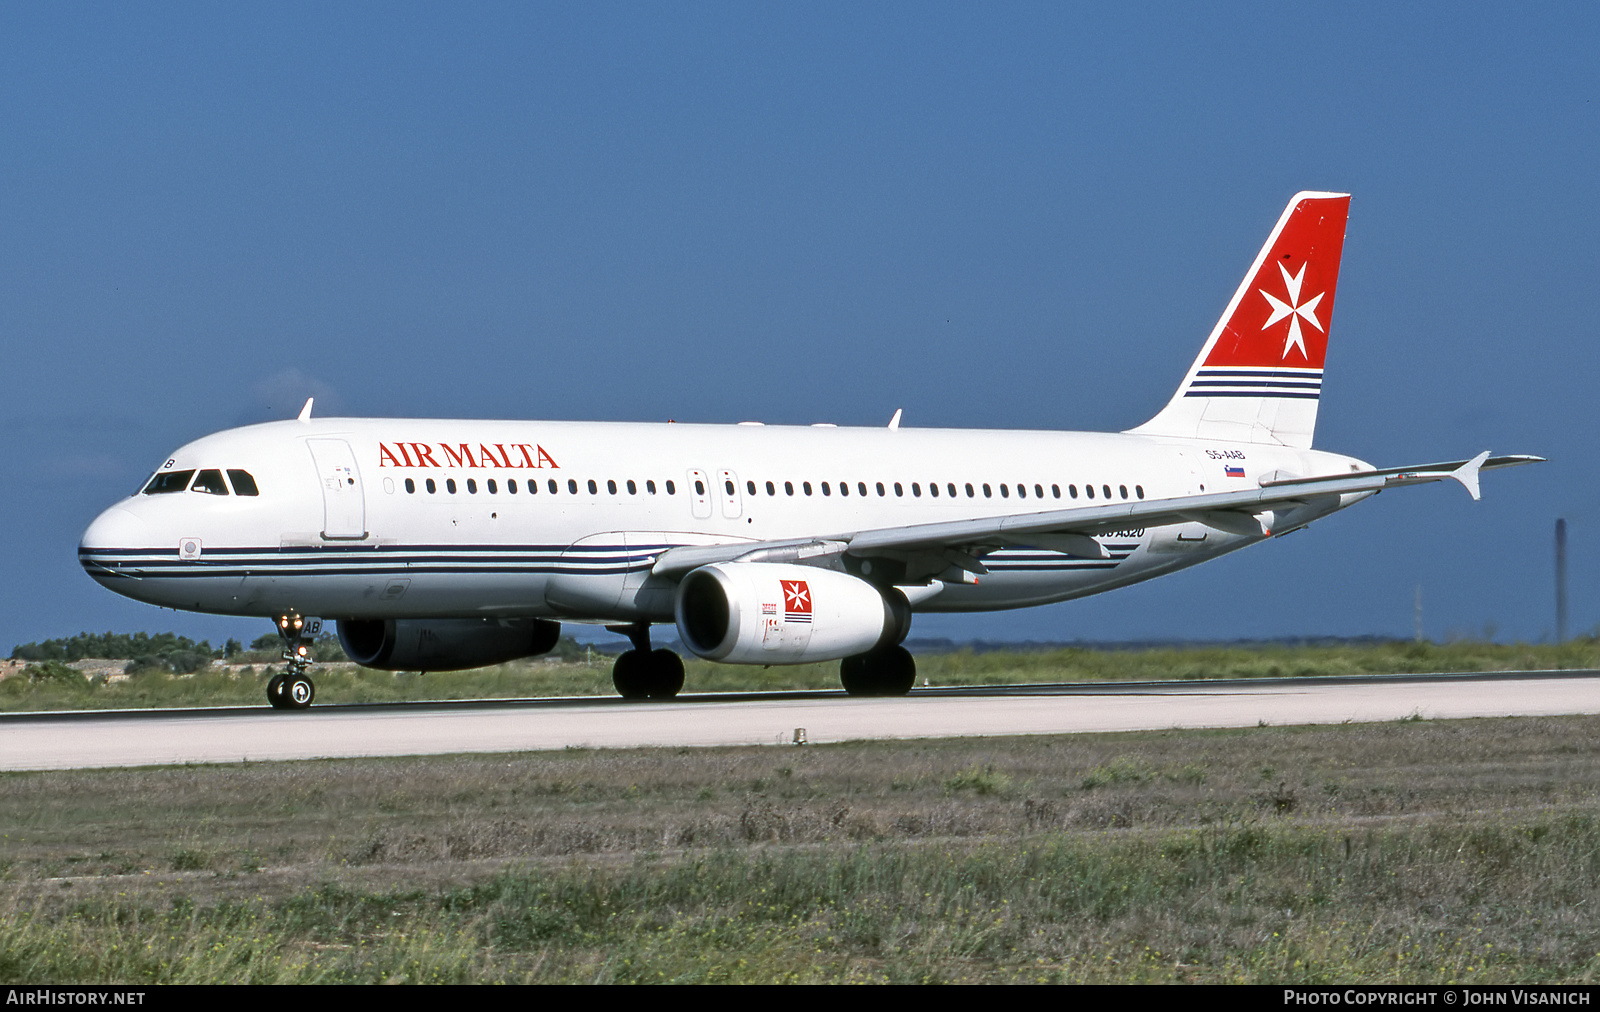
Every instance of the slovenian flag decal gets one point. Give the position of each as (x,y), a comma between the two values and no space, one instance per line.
(1233,471)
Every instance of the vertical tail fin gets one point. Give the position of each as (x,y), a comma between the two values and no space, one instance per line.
(1259,375)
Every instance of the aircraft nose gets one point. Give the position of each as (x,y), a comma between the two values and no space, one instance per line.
(115,528)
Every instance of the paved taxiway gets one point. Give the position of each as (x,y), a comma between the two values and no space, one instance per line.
(138,738)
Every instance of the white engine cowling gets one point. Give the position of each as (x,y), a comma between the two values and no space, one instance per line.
(443,644)
(780,613)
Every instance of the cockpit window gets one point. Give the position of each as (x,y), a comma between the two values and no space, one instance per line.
(210,482)
(168,481)
(243,483)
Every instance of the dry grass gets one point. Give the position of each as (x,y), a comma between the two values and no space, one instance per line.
(1411,851)
(245,684)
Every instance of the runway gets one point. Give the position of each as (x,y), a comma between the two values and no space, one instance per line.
(224,735)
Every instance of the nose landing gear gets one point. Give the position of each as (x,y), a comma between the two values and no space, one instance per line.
(293,690)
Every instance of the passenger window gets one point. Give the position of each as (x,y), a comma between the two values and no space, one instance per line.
(880,487)
(450,485)
(1073,491)
(1139,491)
(727,487)
(594,489)
(1005,493)
(243,483)
(671,488)
(1055,491)
(1124,490)
(806,486)
(770,489)
(969,490)
(511,486)
(650,485)
(988,493)
(411,486)
(572,486)
(172,481)
(493,488)
(1107,490)
(210,482)
(432,488)
(1089,491)
(699,487)
(933,489)
(472,485)
(554,488)
(611,486)
(788,488)
(916,490)
(826,490)
(1038,492)
(632,488)
(898,490)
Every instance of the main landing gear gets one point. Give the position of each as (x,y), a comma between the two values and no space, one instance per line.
(293,690)
(642,673)
(888,671)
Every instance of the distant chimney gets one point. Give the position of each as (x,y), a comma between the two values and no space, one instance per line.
(1416,615)
(1561,580)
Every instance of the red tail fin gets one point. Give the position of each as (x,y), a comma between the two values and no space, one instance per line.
(1259,375)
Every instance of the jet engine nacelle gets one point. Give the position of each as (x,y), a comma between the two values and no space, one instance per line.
(446,644)
(780,613)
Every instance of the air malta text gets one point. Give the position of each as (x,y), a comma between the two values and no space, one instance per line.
(503,455)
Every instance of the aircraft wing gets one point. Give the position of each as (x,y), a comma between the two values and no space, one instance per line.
(1262,511)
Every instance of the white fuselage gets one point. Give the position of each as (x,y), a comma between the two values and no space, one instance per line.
(345,524)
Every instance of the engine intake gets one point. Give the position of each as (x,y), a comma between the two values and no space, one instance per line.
(779,613)
(446,644)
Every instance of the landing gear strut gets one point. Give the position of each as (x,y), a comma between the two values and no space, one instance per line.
(889,671)
(642,673)
(293,690)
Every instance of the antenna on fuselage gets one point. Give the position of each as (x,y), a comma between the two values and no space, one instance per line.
(894,423)
(305,412)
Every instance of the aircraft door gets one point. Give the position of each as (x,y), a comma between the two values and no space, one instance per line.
(700,494)
(728,488)
(344,508)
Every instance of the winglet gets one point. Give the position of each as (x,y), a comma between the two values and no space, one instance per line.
(305,412)
(894,423)
(1467,474)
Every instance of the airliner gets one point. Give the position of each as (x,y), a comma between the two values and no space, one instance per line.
(440,545)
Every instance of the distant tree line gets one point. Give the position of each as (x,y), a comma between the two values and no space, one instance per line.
(182,655)
(163,651)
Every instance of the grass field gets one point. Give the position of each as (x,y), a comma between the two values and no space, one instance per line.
(1413,851)
(244,684)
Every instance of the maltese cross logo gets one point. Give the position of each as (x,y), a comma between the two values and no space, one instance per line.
(1294,309)
(796,597)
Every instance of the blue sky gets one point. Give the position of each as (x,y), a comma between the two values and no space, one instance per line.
(1017,216)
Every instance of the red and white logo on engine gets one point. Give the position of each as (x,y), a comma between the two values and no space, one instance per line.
(796,600)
